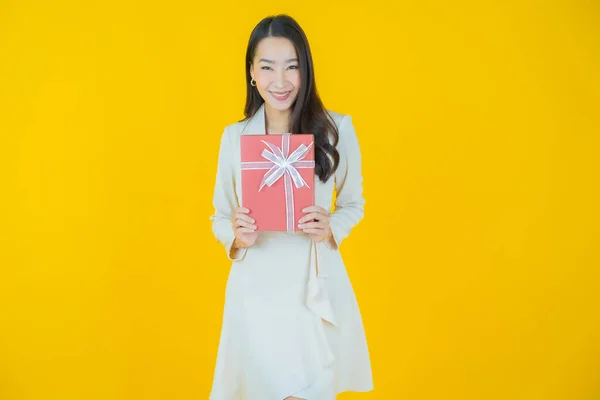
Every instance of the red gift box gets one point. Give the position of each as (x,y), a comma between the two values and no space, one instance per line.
(277,179)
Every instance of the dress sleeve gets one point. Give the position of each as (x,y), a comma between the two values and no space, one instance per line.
(349,203)
(225,199)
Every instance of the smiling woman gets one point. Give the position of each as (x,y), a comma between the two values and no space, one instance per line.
(291,327)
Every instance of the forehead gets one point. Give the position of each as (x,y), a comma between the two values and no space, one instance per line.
(275,48)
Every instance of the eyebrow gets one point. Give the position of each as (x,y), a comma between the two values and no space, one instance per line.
(273,62)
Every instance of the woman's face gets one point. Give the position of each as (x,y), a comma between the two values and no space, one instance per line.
(275,70)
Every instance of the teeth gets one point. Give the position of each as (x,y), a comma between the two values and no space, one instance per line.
(281,95)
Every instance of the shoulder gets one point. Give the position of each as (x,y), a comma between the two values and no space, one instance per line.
(235,128)
(232,132)
(345,126)
(337,117)
(343,122)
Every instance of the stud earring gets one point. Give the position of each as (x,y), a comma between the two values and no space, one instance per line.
(252,80)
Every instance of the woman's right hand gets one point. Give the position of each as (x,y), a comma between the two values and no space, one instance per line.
(243,228)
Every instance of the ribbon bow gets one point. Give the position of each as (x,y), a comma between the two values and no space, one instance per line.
(284,164)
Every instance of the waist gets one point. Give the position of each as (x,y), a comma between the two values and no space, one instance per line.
(283,237)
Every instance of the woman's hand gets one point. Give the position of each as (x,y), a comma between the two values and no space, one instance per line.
(243,228)
(316,223)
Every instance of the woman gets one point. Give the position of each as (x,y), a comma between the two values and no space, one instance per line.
(291,325)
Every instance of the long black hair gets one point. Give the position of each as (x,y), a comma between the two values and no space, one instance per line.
(308,114)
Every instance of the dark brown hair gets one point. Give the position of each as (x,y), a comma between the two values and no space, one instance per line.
(308,113)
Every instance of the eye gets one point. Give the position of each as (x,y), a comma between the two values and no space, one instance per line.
(293,66)
(265,67)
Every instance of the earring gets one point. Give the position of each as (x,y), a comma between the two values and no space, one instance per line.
(252,80)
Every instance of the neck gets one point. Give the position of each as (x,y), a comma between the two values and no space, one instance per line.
(276,121)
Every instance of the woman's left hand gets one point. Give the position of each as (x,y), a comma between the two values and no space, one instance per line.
(316,223)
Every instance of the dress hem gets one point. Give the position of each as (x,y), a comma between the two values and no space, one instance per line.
(345,390)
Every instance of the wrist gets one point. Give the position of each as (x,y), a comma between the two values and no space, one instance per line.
(238,244)
(330,238)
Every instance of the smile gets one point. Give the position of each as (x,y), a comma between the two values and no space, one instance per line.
(281,97)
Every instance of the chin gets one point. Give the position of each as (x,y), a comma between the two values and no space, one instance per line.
(277,106)
(281,106)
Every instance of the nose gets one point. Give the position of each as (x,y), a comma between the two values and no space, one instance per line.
(280,79)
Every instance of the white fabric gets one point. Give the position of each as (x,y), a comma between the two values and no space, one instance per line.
(291,323)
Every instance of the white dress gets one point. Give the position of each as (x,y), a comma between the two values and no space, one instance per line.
(291,324)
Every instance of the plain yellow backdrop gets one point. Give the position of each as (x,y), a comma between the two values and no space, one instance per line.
(475,267)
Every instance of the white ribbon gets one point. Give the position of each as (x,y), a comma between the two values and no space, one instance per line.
(280,164)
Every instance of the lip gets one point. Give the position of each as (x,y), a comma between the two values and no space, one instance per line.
(275,94)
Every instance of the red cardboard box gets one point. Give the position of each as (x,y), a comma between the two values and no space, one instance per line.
(278,175)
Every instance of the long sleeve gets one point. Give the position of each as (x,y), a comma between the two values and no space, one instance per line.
(225,199)
(349,203)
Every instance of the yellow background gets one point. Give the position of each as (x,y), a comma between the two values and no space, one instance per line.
(476,266)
